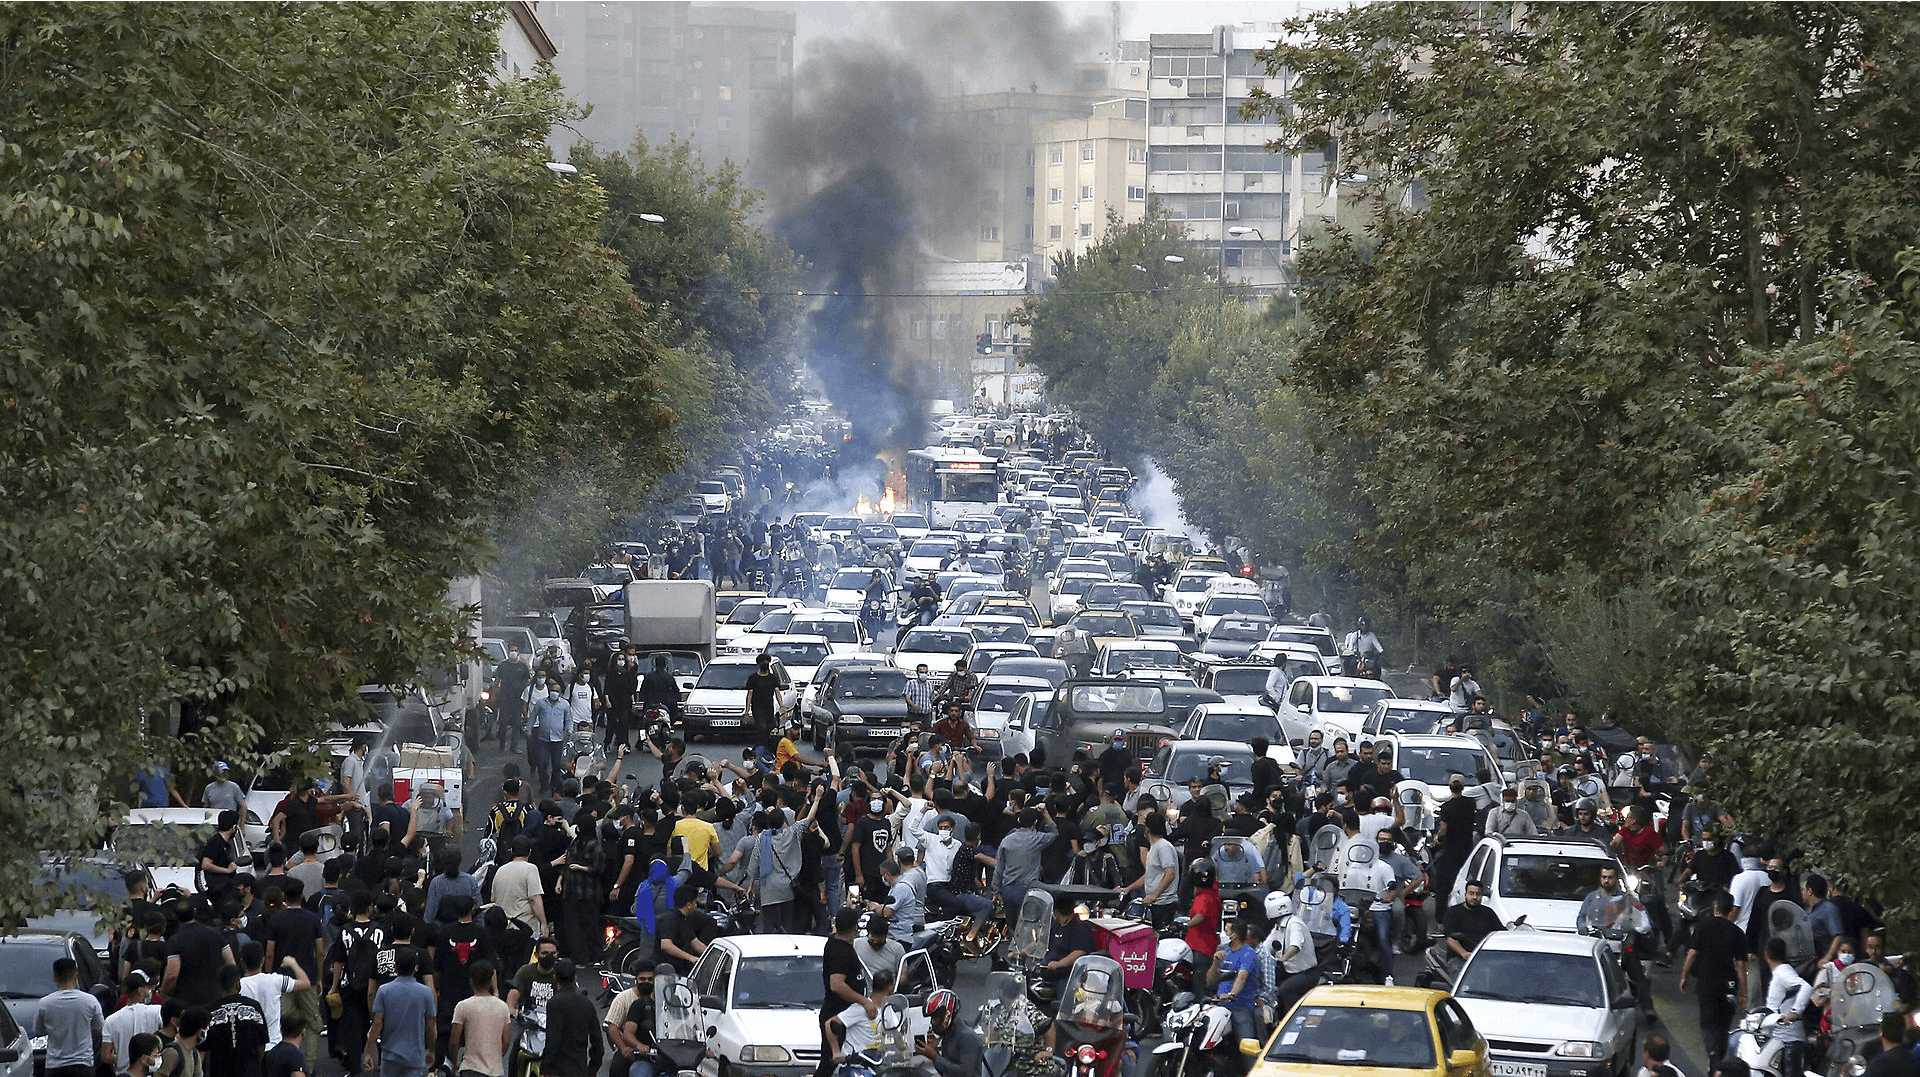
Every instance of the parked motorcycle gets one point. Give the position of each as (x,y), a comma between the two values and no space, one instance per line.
(1199,1041)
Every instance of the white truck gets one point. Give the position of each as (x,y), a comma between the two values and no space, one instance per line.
(671,615)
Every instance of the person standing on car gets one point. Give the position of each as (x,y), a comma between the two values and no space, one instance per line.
(222,793)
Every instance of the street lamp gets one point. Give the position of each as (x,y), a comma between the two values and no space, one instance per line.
(1174,258)
(650,218)
(561,168)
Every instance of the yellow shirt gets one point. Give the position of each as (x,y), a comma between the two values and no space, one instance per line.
(783,753)
(697,837)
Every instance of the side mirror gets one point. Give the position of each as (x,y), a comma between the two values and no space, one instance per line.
(1624,1000)
(1461,1059)
(1250,1048)
(9,1055)
(711,1002)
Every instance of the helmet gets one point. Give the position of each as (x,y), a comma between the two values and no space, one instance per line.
(1362,623)
(942,1001)
(1277,905)
(1565,770)
(1202,873)
(1586,804)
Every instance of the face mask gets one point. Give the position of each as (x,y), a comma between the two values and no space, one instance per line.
(946,837)
(546,960)
(553,697)
(1709,846)
(1843,960)
(875,806)
(923,676)
(1777,876)
(584,678)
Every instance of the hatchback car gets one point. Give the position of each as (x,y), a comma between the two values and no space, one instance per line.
(1550,1005)
(1543,879)
(1366,1031)
(760,996)
(719,698)
(1329,703)
(861,707)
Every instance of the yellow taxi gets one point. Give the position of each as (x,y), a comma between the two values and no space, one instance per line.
(1357,1030)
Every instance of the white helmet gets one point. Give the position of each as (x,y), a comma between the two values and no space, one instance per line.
(1278,907)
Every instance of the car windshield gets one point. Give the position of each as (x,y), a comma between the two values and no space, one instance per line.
(1105,624)
(836,631)
(1239,726)
(1406,721)
(1355,1036)
(1552,979)
(1000,632)
(1239,631)
(728,675)
(609,575)
(1221,605)
(1434,764)
(1002,697)
(1158,614)
(1077,585)
(1051,670)
(1117,699)
(872,684)
(1185,767)
(26,969)
(1115,592)
(985,564)
(774,622)
(853,579)
(545,627)
(161,844)
(785,983)
(1550,878)
(711,488)
(877,531)
(930,547)
(747,613)
(925,639)
(1245,681)
(909,520)
(1341,697)
(1191,583)
(605,618)
(795,653)
(682,663)
(1145,658)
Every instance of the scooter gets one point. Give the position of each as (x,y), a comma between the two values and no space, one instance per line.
(1196,1032)
(1758,1041)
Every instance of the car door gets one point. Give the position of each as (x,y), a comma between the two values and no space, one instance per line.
(16,1052)
(1458,1034)
(1475,869)
(711,979)
(1623,1011)
(1296,711)
(1015,738)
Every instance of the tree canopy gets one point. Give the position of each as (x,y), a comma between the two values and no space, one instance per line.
(293,305)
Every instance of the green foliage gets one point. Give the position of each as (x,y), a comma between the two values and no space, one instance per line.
(1795,665)
(293,309)
(1617,198)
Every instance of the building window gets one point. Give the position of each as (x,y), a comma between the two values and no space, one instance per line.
(1053,231)
(1056,155)
(1086,152)
(989,233)
(1086,231)
(726,123)
(1136,155)
(1029,158)
(919,331)
(1053,194)
(940,327)
(1029,233)
(1029,194)
(1231,257)
(726,93)
(990,158)
(1086,192)
(1136,194)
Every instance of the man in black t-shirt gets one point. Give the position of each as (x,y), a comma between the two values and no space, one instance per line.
(216,858)
(843,981)
(236,1037)
(869,841)
(763,695)
(195,955)
(677,939)
(1716,963)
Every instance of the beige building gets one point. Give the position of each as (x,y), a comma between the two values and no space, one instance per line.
(1083,170)
(524,41)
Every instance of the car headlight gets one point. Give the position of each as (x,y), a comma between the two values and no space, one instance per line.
(1580,1049)
(852,719)
(987,734)
(696,708)
(764,1053)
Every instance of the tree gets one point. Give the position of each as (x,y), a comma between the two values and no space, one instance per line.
(1795,593)
(1604,203)
(294,307)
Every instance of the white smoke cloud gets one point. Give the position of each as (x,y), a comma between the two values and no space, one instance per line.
(1158,503)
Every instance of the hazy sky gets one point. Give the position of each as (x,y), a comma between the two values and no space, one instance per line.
(822,19)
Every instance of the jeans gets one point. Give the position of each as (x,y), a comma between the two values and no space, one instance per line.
(640,1068)
(543,762)
(830,877)
(396,1068)
(979,907)
(1383,935)
(1012,897)
(1245,1027)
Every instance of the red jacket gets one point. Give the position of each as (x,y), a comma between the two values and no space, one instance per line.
(1203,928)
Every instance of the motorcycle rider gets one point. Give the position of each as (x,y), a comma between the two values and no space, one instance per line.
(1467,924)
(1290,946)
(960,684)
(1362,647)
(1787,995)
(657,686)
(953,1046)
(1610,907)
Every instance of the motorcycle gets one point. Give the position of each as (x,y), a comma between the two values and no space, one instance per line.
(1759,1040)
(1011,1027)
(679,1043)
(893,1055)
(1196,1032)
(1861,995)
(1089,1029)
(656,723)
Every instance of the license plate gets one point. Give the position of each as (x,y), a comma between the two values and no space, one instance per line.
(883,732)
(724,723)
(1518,1069)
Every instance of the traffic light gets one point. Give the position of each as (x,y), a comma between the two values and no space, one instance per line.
(983,344)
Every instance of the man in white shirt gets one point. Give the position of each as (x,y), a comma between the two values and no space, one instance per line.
(140,1014)
(852,1029)
(268,988)
(1745,886)
(1787,995)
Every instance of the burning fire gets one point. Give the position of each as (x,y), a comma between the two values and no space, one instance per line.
(864,507)
(886,502)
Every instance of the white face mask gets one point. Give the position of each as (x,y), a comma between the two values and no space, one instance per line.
(875,806)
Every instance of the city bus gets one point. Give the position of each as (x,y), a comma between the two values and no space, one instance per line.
(948,483)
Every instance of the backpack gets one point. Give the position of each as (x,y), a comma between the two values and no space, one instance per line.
(505,823)
(365,944)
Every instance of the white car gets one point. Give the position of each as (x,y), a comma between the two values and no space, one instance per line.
(926,554)
(1550,1004)
(750,639)
(912,526)
(1405,716)
(1432,759)
(1238,605)
(1188,590)
(1062,496)
(1320,639)
(800,654)
(1064,598)
(939,648)
(1229,721)
(996,701)
(1543,879)
(714,497)
(837,527)
(840,630)
(1119,656)
(760,996)
(719,698)
(167,841)
(1330,703)
(743,616)
(1070,565)
(847,590)
(1302,660)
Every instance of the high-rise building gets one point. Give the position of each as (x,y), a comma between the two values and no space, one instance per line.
(1244,206)
(1085,169)
(524,40)
(719,76)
